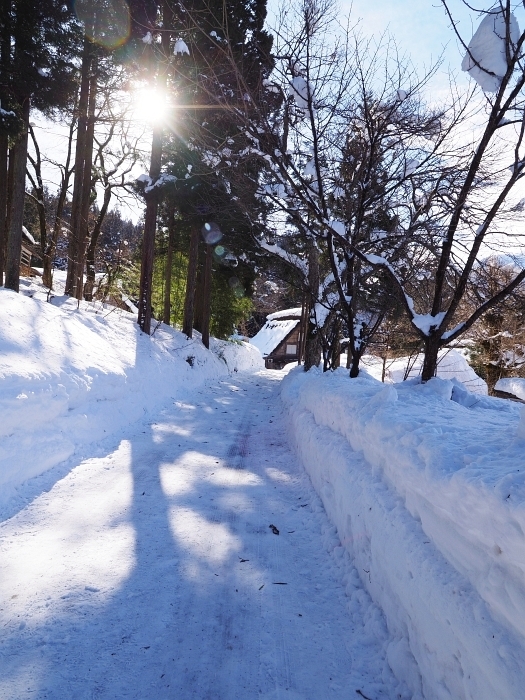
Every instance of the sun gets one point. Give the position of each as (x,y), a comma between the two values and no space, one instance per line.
(150,106)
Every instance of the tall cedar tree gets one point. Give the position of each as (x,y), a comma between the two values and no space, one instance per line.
(38,44)
(229,58)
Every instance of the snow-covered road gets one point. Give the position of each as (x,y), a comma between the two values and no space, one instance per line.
(155,572)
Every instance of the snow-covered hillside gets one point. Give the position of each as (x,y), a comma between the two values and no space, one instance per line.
(72,375)
(426,485)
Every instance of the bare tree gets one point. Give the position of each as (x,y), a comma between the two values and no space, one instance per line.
(476,206)
(49,233)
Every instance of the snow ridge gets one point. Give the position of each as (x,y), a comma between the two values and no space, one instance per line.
(426,495)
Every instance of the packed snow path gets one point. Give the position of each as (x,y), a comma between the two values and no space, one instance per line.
(156,571)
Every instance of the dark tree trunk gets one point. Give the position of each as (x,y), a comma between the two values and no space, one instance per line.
(150,227)
(152,201)
(206,297)
(5,61)
(166,316)
(336,345)
(312,351)
(191,283)
(38,187)
(3,203)
(80,152)
(83,234)
(49,253)
(354,366)
(198,307)
(16,217)
(90,254)
(431,349)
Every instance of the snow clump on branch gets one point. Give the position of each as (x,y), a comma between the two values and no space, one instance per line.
(299,90)
(181,47)
(486,59)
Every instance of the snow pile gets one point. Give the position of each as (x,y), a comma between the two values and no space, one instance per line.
(72,376)
(428,495)
(512,385)
(486,59)
(451,365)
(239,356)
(300,91)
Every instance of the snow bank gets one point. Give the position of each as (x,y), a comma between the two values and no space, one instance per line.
(239,356)
(512,385)
(60,364)
(451,365)
(428,495)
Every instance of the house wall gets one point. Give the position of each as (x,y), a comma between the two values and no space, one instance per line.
(292,339)
(283,353)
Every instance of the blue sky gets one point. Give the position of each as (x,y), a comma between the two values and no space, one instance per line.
(420,27)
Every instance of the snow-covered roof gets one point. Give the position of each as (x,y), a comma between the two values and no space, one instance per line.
(28,235)
(285,313)
(273,332)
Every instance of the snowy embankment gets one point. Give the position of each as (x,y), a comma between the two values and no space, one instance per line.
(425,484)
(73,375)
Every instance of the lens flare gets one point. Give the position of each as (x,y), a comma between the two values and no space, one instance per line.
(211,233)
(150,106)
(107,23)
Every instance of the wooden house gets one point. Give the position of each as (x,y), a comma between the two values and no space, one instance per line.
(30,249)
(280,340)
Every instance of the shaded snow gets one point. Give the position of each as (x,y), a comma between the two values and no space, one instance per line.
(145,564)
(60,364)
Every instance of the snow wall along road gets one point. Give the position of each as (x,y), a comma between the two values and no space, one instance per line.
(425,486)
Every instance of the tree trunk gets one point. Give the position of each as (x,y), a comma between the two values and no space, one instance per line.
(336,345)
(166,316)
(431,349)
(302,327)
(354,366)
(5,62)
(49,253)
(206,297)
(16,217)
(90,254)
(312,352)
(80,150)
(38,191)
(83,232)
(3,202)
(150,227)
(191,283)
(198,307)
